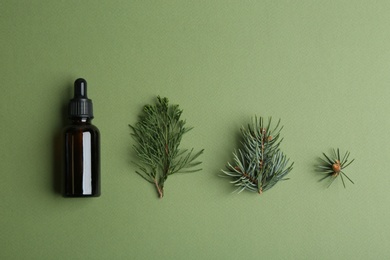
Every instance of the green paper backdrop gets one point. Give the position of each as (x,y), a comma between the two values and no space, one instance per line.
(323,67)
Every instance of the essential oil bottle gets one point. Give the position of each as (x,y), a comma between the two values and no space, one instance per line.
(81,147)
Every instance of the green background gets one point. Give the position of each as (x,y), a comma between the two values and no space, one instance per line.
(321,66)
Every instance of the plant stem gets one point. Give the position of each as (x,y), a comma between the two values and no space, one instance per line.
(262,148)
(159,190)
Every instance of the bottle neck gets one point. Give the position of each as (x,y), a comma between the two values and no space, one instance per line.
(82,120)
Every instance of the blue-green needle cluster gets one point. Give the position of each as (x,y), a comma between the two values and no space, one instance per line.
(333,166)
(259,164)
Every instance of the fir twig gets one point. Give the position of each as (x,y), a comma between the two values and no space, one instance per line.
(260,164)
(158,134)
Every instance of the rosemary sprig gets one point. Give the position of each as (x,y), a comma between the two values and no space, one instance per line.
(158,134)
(260,164)
(333,166)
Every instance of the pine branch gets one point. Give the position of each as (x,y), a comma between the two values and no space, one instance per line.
(259,164)
(158,134)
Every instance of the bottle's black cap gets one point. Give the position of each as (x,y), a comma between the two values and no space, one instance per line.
(80,106)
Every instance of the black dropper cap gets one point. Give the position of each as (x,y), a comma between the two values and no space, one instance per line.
(80,106)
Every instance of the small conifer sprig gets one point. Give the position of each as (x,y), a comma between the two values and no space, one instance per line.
(158,134)
(333,166)
(260,164)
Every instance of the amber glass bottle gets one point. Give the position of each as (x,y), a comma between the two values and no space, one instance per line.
(82,147)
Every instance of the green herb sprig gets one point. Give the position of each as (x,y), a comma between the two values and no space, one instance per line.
(158,134)
(260,164)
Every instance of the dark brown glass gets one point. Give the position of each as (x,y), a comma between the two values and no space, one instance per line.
(82,159)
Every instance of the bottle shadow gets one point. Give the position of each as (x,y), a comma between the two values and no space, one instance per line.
(57,140)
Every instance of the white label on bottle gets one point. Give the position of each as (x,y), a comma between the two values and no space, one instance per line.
(87,167)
